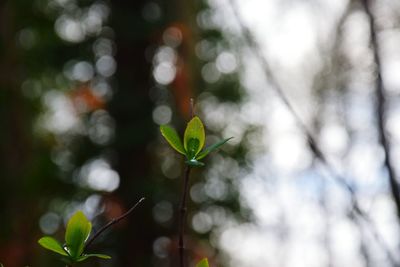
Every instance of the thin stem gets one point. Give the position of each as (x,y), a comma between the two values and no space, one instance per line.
(182,217)
(111,223)
(381,109)
(191,107)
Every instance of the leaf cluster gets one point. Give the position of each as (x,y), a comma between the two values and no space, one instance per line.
(76,235)
(193,141)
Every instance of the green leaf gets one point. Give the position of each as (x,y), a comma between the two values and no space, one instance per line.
(192,148)
(194,137)
(172,138)
(78,231)
(51,244)
(86,256)
(211,148)
(202,263)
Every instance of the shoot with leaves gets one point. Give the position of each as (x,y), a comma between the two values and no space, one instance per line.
(77,238)
(192,149)
(193,142)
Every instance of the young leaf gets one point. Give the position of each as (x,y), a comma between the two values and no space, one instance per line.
(78,230)
(202,263)
(51,244)
(172,138)
(194,131)
(192,148)
(86,256)
(211,148)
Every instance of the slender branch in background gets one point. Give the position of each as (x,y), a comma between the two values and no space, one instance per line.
(182,217)
(381,108)
(111,223)
(255,48)
(192,107)
(313,144)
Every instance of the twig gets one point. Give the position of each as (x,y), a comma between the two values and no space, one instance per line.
(255,48)
(192,108)
(182,206)
(381,108)
(111,223)
(182,217)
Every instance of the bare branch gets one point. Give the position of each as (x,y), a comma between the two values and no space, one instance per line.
(381,108)
(182,217)
(111,223)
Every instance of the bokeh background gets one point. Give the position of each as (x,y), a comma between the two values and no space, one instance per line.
(308,88)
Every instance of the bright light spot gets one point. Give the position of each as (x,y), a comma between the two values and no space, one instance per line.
(202,222)
(99,176)
(102,89)
(106,66)
(102,127)
(206,20)
(226,62)
(345,242)
(164,73)
(216,189)
(218,215)
(161,247)
(103,47)
(162,114)
(92,204)
(289,152)
(334,138)
(49,223)
(210,73)
(69,29)
(390,75)
(60,117)
(286,46)
(165,54)
(82,71)
(364,161)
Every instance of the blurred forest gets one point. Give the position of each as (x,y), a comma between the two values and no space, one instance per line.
(308,89)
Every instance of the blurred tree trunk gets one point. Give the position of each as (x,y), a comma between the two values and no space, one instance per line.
(131,109)
(15,148)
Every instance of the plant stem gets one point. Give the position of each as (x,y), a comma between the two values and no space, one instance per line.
(182,217)
(111,223)
(381,108)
